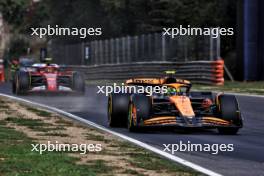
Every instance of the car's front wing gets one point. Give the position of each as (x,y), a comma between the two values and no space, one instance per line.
(187,122)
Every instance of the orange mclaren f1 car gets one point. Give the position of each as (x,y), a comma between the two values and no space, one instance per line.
(177,107)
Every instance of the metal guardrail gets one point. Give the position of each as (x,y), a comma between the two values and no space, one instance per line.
(201,72)
(153,47)
(146,55)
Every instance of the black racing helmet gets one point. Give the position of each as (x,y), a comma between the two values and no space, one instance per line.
(170,76)
(47,60)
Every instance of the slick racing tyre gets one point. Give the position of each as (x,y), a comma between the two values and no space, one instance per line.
(20,83)
(14,85)
(229,110)
(118,109)
(139,110)
(78,83)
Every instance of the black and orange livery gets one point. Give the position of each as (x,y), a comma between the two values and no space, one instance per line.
(178,107)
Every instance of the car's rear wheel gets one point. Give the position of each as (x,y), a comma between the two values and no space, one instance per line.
(78,82)
(14,86)
(21,83)
(229,110)
(139,110)
(118,109)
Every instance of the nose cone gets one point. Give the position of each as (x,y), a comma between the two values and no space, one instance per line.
(184,105)
(51,82)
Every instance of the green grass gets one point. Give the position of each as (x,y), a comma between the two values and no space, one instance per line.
(39,112)
(26,122)
(18,159)
(59,134)
(132,172)
(34,124)
(3,105)
(100,166)
(141,158)
(91,136)
(149,161)
(124,145)
(64,122)
(237,87)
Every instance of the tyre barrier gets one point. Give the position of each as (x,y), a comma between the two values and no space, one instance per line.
(200,72)
(218,66)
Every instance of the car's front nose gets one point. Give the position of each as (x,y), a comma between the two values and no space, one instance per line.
(186,121)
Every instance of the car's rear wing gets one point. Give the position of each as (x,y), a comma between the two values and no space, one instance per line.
(145,81)
(156,81)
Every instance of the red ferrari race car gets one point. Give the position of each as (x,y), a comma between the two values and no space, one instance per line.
(2,71)
(47,77)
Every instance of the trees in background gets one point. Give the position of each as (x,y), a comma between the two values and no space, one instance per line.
(14,11)
(121,17)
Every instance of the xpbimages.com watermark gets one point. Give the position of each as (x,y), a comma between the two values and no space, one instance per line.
(124,89)
(191,147)
(65,31)
(197,31)
(59,147)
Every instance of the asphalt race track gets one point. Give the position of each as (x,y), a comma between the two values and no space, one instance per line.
(246,159)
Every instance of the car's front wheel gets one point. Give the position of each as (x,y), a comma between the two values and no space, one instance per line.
(229,110)
(21,83)
(139,110)
(118,109)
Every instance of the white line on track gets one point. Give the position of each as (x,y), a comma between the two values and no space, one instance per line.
(132,140)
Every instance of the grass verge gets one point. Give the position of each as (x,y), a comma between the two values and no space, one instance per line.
(23,126)
(16,158)
(234,87)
